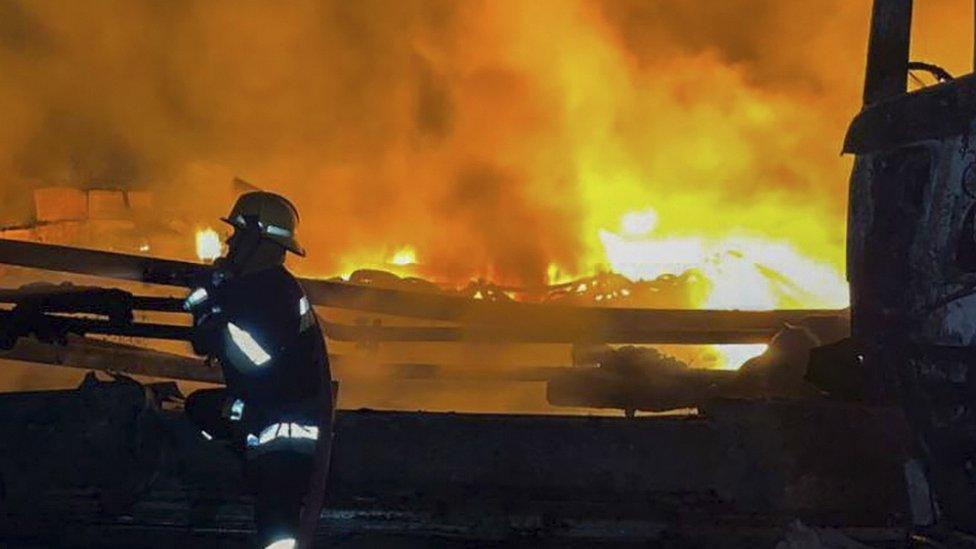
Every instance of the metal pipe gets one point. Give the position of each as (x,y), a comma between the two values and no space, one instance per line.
(886,73)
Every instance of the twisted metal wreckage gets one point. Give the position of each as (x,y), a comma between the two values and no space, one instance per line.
(117,463)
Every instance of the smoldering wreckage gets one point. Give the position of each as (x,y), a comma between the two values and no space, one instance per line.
(855,428)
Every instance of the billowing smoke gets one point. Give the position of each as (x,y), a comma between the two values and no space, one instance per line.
(497,138)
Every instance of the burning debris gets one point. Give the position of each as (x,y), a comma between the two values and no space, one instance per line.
(601,290)
(635,379)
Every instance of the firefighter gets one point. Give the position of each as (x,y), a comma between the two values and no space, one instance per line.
(252,316)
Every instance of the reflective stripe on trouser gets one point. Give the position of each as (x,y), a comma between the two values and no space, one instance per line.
(287,436)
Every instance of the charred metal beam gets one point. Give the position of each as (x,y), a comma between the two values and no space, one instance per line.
(512,314)
(569,323)
(886,74)
(86,299)
(520,332)
(935,112)
(109,356)
(60,325)
(94,354)
(99,263)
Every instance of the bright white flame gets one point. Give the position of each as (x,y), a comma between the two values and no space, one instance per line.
(247,345)
(639,223)
(287,543)
(209,247)
(744,272)
(404,256)
(733,356)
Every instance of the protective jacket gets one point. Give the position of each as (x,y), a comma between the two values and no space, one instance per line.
(262,329)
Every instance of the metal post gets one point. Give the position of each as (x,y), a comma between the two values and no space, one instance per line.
(887,66)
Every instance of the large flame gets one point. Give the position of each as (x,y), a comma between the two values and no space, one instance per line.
(743,272)
(502,140)
(511,141)
(498,138)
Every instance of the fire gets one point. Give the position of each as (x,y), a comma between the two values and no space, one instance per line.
(209,246)
(731,357)
(610,139)
(744,272)
(494,148)
(639,223)
(404,256)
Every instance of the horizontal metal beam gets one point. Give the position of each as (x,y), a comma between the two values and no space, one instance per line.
(480,319)
(58,324)
(514,316)
(82,299)
(94,354)
(108,356)
(68,259)
(521,333)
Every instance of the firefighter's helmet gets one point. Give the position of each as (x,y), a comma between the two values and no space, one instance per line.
(273,215)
